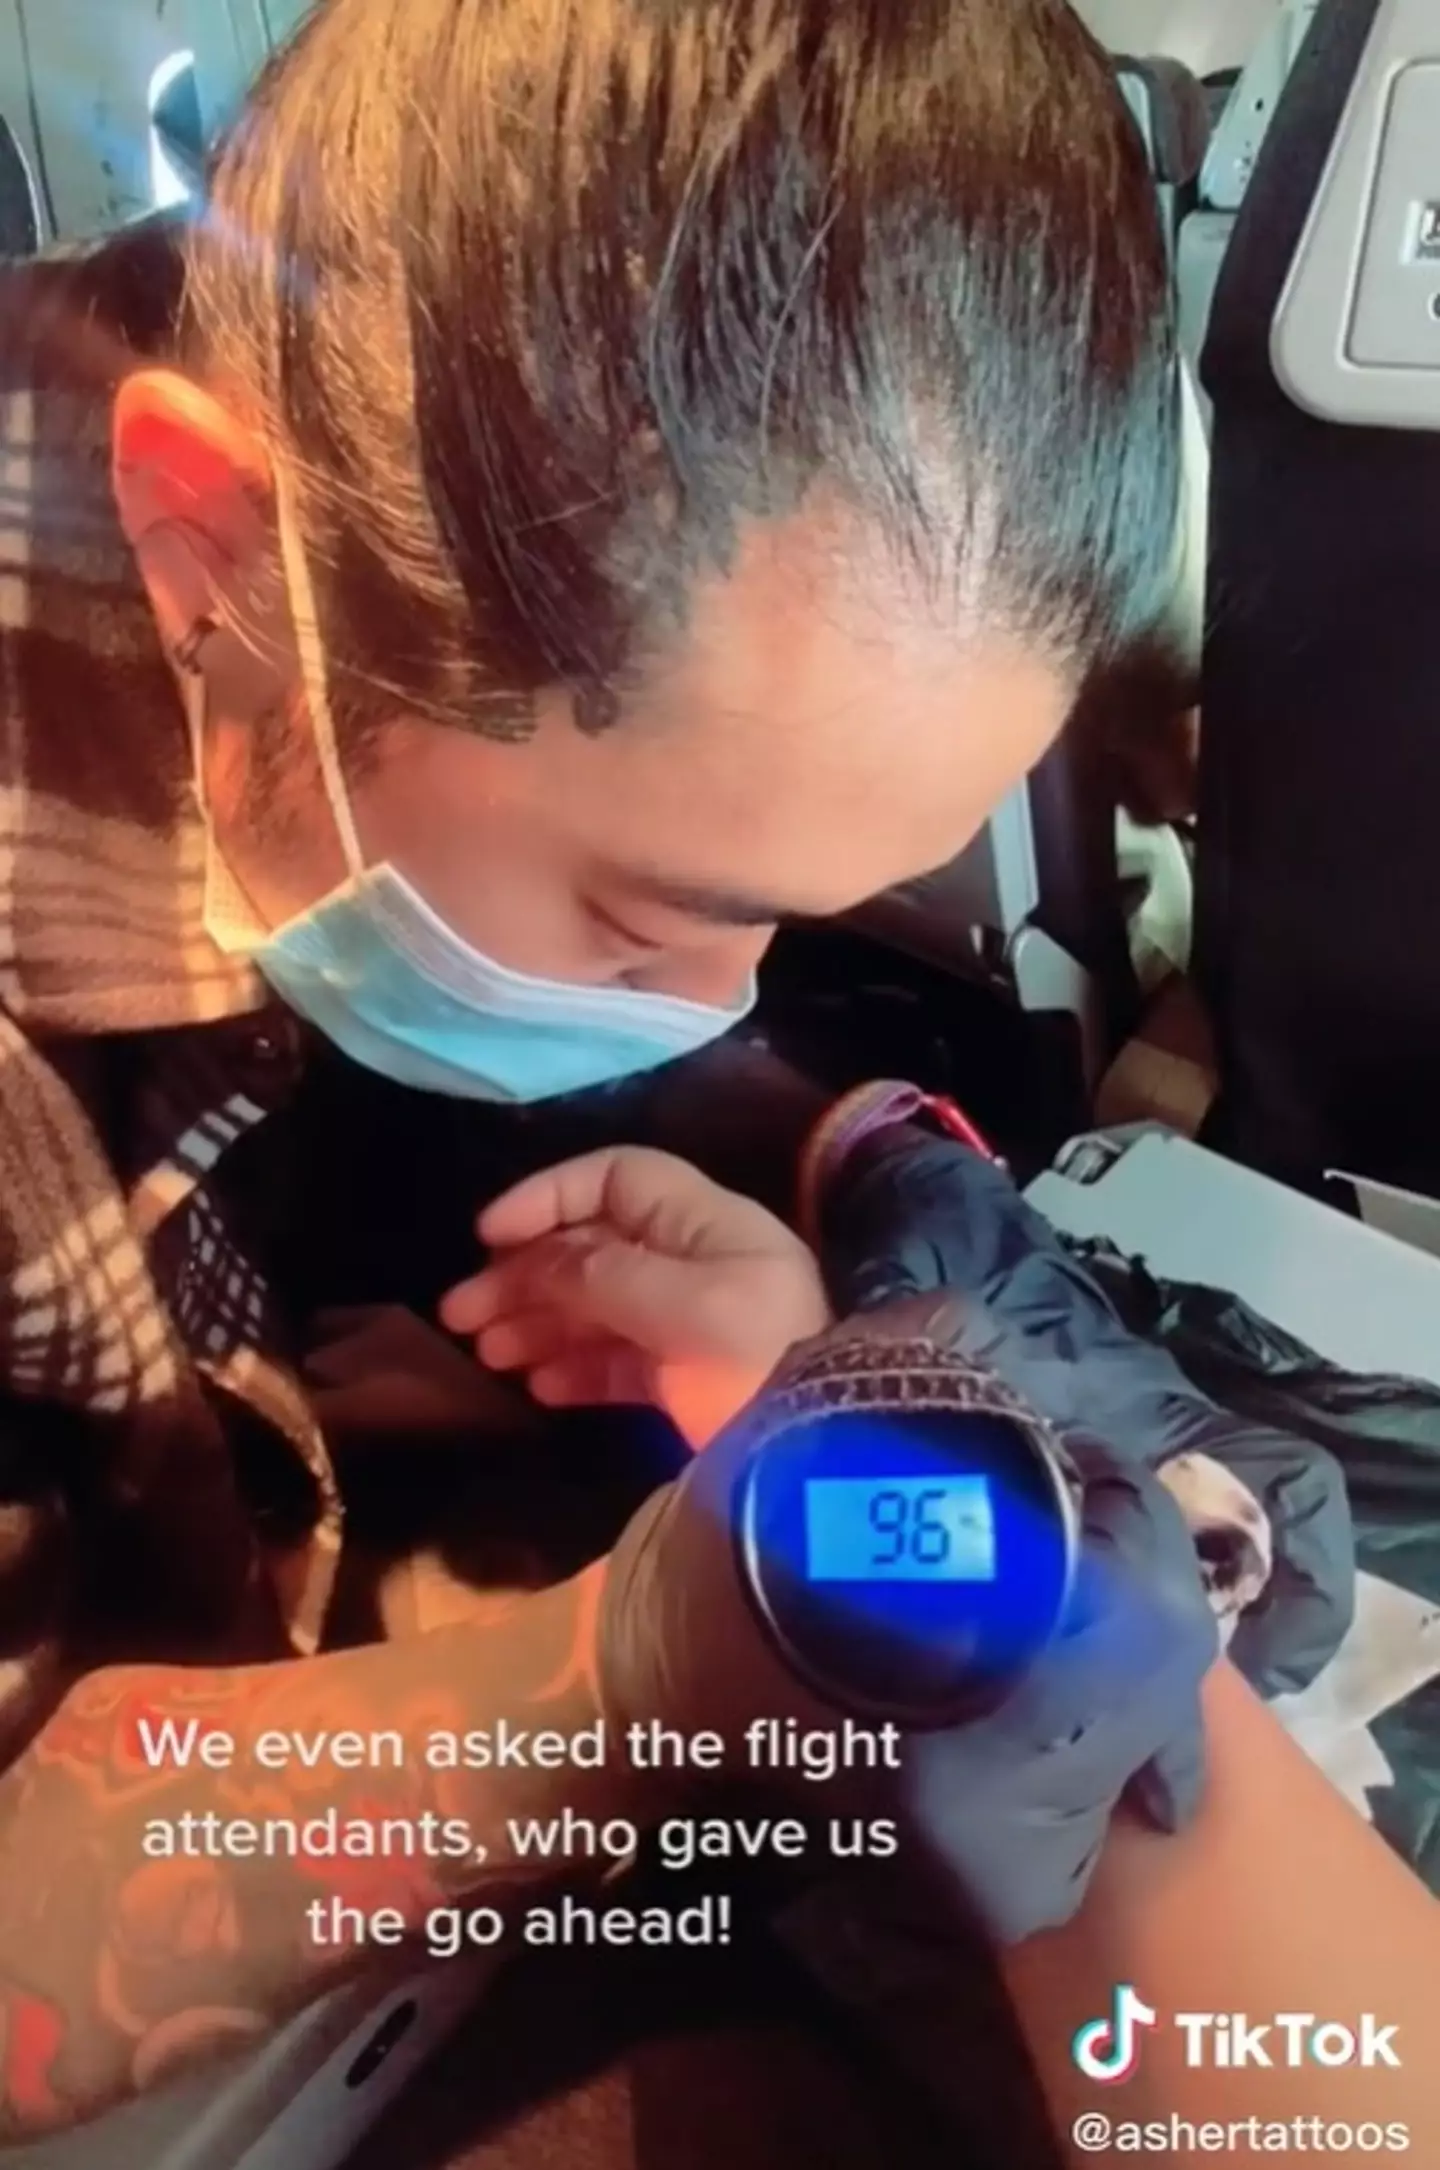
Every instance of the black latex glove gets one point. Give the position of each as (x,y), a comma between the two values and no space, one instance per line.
(1017,1806)
(911,1214)
(1013,1808)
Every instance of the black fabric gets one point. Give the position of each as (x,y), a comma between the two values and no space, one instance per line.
(1318,906)
(917,1214)
(1385,1434)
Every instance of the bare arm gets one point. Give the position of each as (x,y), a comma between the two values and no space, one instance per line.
(1279,1900)
(115,1968)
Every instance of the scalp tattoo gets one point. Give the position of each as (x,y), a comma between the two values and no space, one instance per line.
(597,706)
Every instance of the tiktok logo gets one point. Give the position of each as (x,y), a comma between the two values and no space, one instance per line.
(1108,2050)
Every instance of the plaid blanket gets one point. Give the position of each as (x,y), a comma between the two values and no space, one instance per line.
(133,1054)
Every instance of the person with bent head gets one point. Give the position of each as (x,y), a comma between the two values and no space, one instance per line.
(596,479)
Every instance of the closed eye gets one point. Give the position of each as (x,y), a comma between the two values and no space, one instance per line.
(618,936)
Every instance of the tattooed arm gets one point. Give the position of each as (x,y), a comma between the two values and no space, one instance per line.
(118,1965)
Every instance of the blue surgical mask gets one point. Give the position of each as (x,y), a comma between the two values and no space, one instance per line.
(380,973)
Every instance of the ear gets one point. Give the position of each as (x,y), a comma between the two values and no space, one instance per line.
(194,489)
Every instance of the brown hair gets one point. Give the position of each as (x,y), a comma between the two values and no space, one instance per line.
(536,298)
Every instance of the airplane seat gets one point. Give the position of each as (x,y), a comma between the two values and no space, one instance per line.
(1034,908)
(20,228)
(1318,876)
(1173,111)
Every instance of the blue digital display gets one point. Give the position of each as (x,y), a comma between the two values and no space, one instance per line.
(899,1529)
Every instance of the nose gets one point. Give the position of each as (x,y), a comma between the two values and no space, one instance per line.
(718,974)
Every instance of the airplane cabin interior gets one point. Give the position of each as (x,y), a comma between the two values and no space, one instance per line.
(1184,980)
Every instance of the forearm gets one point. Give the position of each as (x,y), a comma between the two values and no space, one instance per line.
(117,1963)
(1279,1900)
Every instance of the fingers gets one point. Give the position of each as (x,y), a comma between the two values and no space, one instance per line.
(523,1340)
(557,1301)
(555,1198)
(520,1319)
(1141,1568)
(630,1187)
(634,1247)
(472,1305)
(545,1345)
(543,1276)
(593,1376)
(588,1283)
(1168,1790)
(565,1364)
(1140,1640)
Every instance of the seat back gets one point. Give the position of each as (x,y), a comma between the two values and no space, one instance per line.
(20,227)
(1173,113)
(1318,920)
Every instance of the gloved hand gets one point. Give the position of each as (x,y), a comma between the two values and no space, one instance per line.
(1013,1808)
(907,1213)
(1017,1806)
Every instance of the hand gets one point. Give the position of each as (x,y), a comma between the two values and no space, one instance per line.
(918,1214)
(1012,1809)
(1017,1808)
(628,1276)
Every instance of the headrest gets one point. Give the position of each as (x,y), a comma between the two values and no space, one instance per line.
(1173,108)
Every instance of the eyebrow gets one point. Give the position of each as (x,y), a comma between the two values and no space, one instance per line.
(725,907)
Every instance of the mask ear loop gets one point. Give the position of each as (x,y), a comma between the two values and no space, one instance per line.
(189,651)
(186,656)
(227,914)
(313,676)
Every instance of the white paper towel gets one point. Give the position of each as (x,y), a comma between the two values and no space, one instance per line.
(1392,1649)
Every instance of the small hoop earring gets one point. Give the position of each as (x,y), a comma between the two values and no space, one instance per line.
(190,649)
